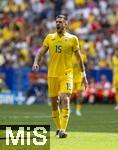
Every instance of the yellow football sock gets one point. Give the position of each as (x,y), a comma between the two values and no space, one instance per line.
(64,118)
(116,97)
(56,118)
(78,107)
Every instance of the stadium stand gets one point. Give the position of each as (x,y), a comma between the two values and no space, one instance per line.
(24,24)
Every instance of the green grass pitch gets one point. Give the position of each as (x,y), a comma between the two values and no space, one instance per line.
(96,129)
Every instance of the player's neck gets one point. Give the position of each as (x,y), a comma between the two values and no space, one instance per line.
(61,33)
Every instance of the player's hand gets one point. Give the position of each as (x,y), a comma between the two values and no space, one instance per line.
(85,82)
(35,67)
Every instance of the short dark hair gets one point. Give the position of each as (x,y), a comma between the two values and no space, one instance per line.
(62,16)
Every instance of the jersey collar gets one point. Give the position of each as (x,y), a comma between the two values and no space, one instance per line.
(62,35)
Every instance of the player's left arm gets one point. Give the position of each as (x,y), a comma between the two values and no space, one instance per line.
(79,58)
(76,49)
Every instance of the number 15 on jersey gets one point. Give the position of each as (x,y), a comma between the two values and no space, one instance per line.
(58,48)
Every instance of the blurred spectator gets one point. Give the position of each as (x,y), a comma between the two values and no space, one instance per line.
(104,93)
(100,92)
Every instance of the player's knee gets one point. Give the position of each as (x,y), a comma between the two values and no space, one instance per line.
(55,103)
(65,101)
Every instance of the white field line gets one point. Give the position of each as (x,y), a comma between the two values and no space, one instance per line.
(24,116)
(18,112)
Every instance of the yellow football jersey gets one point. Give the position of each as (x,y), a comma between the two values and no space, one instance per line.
(61,50)
(115,67)
(77,72)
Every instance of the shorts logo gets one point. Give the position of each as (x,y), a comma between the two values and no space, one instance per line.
(68,86)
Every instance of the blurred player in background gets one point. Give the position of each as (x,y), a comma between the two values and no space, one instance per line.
(115,75)
(78,87)
(62,46)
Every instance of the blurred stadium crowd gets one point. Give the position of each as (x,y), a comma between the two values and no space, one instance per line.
(25,23)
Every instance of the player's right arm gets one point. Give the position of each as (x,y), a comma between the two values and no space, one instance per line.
(41,53)
(38,57)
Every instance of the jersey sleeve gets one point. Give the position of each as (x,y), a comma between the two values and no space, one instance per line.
(76,45)
(46,41)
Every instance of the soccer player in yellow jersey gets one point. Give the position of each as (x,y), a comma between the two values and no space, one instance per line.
(77,83)
(61,46)
(115,75)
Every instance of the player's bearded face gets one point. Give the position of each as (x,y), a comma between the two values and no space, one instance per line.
(60,24)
